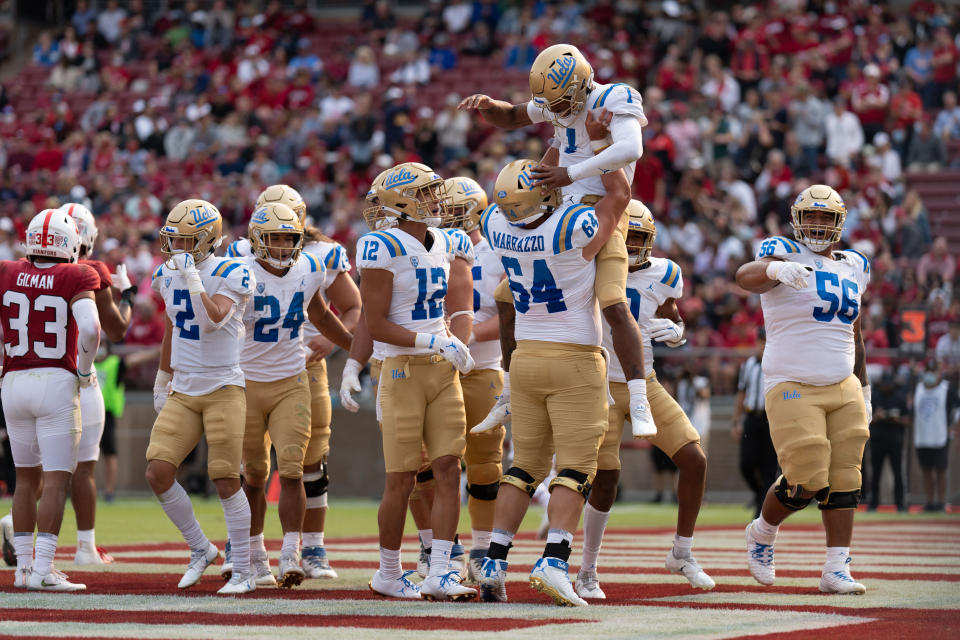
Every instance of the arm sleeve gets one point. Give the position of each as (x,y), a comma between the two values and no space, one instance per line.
(627,147)
(535,112)
(336,259)
(88,328)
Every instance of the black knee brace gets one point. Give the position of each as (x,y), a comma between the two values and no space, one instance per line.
(520,479)
(793,498)
(315,487)
(841,500)
(573,480)
(425,476)
(483,491)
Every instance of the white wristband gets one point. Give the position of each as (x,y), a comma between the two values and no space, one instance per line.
(162,380)
(425,341)
(637,387)
(352,367)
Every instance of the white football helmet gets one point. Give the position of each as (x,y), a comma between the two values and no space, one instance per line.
(86,224)
(53,234)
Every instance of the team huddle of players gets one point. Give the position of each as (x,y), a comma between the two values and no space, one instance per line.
(534,308)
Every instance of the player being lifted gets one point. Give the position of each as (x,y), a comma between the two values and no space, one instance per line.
(653,286)
(818,400)
(114,319)
(199,387)
(51,332)
(564,94)
(342,293)
(404,283)
(555,375)
(288,291)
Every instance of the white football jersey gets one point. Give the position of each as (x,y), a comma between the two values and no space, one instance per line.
(203,362)
(419,280)
(276,317)
(462,246)
(810,331)
(239,248)
(552,284)
(487,273)
(335,261)
(574,141)
(647,289)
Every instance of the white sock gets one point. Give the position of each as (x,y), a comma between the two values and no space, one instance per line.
(23,545)
(765,532)
(390,563)
(291,542)
(440,557)
(257,547)
(556,536)
(682,546)
(481,539)
(426,537)
(87,538)
(501,536)
(594,524)
(176,504)
(236,513)
(46,549)
(836,558)
(312,539)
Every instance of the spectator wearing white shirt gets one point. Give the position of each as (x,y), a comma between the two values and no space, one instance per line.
(335,105)
(887,159)
(456,16)
(110,20)
(844,133)
(934,412)
(947,124)
(720,85)
(364,72)
(452,126)
(948,348)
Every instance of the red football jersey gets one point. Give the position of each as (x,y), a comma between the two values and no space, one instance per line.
(102,271)
(38,326)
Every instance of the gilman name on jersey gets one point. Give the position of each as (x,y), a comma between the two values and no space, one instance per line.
(513,243)
(35,280)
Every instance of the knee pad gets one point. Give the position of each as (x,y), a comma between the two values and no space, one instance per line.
(841,500)
(520,479)
(425,476)
(290,461)
(315,485)
(221,469)
(573,480)
(793,498)
(483,491)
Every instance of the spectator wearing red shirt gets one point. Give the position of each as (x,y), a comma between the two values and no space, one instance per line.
(906,107)
(749,64)
(870,101)
(649,185)
(937,261)
(301,95)
(50,157)
(676,77)
(945,59)
(146,326)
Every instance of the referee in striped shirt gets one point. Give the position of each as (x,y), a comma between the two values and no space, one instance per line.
(758,458)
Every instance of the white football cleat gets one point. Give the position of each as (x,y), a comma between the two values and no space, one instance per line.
(6,540)
(290,574)
(474,566)
(446,587)
(841,582)
(199,561)
(493,580)
(689,569)
(551,576)
(238,585)
(760,559)
(20,577)
(91,555)
(260,569)
(397,588)
(588,586)
(315,563)
(53,581)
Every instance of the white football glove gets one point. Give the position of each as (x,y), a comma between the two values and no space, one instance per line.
(120,279)
(161,389)
(87,379)
(792,274)
(641,420)
(350,382)
(500,413)
(868,401)
(187,267)
(665,330)
(449,347)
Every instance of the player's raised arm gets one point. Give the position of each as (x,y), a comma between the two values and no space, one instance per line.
(499,113)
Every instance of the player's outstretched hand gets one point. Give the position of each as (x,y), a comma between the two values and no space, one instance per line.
(476,101)
(791,274)
(500,413)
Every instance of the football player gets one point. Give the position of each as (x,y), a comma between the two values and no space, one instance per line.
(278,391)
(342,293)
(199,389)
(404,283)
(553,358)
(818,401)
(51,332)
(114,318)
(564,93)
(653,286)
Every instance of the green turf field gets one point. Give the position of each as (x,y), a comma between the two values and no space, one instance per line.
(128,520)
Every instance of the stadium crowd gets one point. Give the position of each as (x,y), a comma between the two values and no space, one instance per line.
(123,107)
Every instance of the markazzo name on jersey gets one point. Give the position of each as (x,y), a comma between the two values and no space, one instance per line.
(513,243)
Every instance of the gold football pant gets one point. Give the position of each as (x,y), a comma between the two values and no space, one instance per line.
(484,454)
(320,414)
(278,412)
(819,433)
(674,429)
(218,415)
(610,284)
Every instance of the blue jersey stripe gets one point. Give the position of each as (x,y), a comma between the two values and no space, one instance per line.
(230,267)
(795,246)
(669,274)
(562,235)
(786,245)
(599,101)
(312,261)
(676,277)
(333,258)
(485,220)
